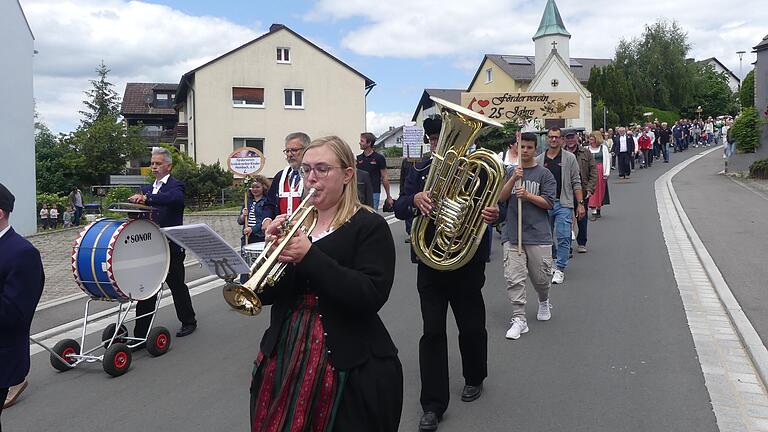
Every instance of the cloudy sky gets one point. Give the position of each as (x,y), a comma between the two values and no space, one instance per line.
(403,45)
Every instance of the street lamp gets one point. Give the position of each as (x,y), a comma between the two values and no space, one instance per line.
(699,110)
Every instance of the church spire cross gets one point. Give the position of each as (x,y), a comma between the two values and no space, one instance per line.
(554,45)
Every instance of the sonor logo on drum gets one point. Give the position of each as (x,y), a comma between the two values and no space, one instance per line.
(138,238)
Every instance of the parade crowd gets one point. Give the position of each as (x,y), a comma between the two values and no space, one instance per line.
(327,362)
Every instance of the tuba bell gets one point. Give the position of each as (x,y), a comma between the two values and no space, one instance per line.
(461,185)
(267,270)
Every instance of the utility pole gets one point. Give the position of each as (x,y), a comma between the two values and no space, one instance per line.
(741,77)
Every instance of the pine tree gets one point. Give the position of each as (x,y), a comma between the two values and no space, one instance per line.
(102,99)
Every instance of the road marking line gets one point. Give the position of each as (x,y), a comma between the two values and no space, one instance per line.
(714,315)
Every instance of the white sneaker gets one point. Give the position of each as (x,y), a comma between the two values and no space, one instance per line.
(518,327)
(544,314)
(558,277)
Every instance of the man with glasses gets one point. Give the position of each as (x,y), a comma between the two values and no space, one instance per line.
(287,188)
(564,166)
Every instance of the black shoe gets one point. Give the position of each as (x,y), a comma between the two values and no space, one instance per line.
(186,330)
(471,393)
(429,421)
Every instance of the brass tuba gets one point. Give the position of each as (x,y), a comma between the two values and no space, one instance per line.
(267,270)
(460,187)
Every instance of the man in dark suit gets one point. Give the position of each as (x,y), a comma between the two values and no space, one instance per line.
(624,148)
(461,288)
(166,195)
(21,285)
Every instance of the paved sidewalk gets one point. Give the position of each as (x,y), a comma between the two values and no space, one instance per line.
(56,250)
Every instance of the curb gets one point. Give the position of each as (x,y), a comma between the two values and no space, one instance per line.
(747,333)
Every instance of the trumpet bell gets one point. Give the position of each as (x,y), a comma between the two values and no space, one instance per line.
(241,299)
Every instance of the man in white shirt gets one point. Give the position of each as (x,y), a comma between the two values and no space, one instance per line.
(624,148)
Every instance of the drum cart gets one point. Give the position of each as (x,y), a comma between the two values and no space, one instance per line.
(122,261)
(118,345)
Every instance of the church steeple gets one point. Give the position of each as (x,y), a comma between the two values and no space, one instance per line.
(551,22)
(551,35)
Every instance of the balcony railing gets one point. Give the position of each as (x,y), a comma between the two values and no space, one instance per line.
(180,131)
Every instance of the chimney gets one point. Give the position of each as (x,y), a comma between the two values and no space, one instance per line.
(275,27)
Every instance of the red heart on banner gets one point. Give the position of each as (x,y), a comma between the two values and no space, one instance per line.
(483,103)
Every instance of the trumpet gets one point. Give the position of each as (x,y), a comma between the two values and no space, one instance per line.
(267,270)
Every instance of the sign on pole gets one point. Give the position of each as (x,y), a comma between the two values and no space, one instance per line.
(246,161)
(523,106)
(413,141)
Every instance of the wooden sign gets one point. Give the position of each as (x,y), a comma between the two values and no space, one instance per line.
(523,106)
(246,161)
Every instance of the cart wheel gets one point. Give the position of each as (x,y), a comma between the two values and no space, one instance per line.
(106,335)
(158,341)
(64,348)
(117,359)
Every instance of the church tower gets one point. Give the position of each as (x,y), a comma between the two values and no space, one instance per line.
(551,34)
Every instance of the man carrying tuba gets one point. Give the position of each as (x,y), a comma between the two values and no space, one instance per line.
(461,288)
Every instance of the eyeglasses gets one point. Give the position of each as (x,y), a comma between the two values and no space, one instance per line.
(293,150)
(553,137)
(321,171)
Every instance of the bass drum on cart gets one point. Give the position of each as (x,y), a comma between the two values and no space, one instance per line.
(121,259)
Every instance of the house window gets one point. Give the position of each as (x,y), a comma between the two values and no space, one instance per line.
(257,143)
(163,100)
(248,97)
(488,75)
(283,55)
(294,98)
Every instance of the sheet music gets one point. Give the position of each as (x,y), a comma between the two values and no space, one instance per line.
(217,256)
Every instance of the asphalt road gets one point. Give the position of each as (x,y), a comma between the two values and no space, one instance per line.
(616,356)
(730,220)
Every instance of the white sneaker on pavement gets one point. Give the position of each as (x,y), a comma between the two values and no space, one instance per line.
(545,313)
(558,276)
(518,327)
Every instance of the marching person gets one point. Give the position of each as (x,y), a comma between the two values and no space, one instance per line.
(536,189)
(602,158)
(326,361)
(166,195)
(376,166)
(624,147)
(568,198)
(21,285)
(588,173)
(287,187)
(461,289)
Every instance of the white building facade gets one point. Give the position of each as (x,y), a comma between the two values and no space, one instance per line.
(17,113)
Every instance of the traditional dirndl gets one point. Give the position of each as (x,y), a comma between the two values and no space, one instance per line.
(596,200)
(297,389)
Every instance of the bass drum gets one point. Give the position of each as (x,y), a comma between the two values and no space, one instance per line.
(121,260)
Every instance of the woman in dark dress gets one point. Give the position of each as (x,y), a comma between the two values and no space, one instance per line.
(327,362)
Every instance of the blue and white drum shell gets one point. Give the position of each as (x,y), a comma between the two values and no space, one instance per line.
(121,260)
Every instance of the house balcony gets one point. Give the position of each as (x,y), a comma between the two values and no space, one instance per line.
(180,132)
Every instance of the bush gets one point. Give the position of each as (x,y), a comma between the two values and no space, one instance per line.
(52,199)
(393,152)
(670,117)
(759,169)
(745,131)
(119,194)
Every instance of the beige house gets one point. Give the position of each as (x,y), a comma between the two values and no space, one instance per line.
(258,93)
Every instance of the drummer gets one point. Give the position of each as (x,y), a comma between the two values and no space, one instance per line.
(254,214)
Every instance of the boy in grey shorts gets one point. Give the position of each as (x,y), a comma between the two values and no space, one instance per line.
(536,187)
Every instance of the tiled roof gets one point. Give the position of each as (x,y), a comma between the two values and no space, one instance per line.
(521,68)
(136,96)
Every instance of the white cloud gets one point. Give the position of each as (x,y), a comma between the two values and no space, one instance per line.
(458,28)
(138,41)
(377,123)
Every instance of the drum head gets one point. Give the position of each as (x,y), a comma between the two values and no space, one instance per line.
(256,248)
(140,258)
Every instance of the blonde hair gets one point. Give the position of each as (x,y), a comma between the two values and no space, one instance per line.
(265,183)
(598,137)
(349,203)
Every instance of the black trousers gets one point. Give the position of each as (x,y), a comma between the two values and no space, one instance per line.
(180,292)
(3,395)
(581,237)
(462,290)
(624,160)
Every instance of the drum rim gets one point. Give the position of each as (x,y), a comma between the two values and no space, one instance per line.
(76,267)
(111,248)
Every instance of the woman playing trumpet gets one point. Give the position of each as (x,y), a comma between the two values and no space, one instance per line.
(327,361)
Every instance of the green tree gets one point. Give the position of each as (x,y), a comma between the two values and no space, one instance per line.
(55,162)
(747,91)
(102,100)
(102,142)
(712,92)
(609,85)
(494,139)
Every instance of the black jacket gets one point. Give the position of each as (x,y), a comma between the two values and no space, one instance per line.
(351,272)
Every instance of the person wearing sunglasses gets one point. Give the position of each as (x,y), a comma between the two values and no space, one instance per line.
(287,187)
